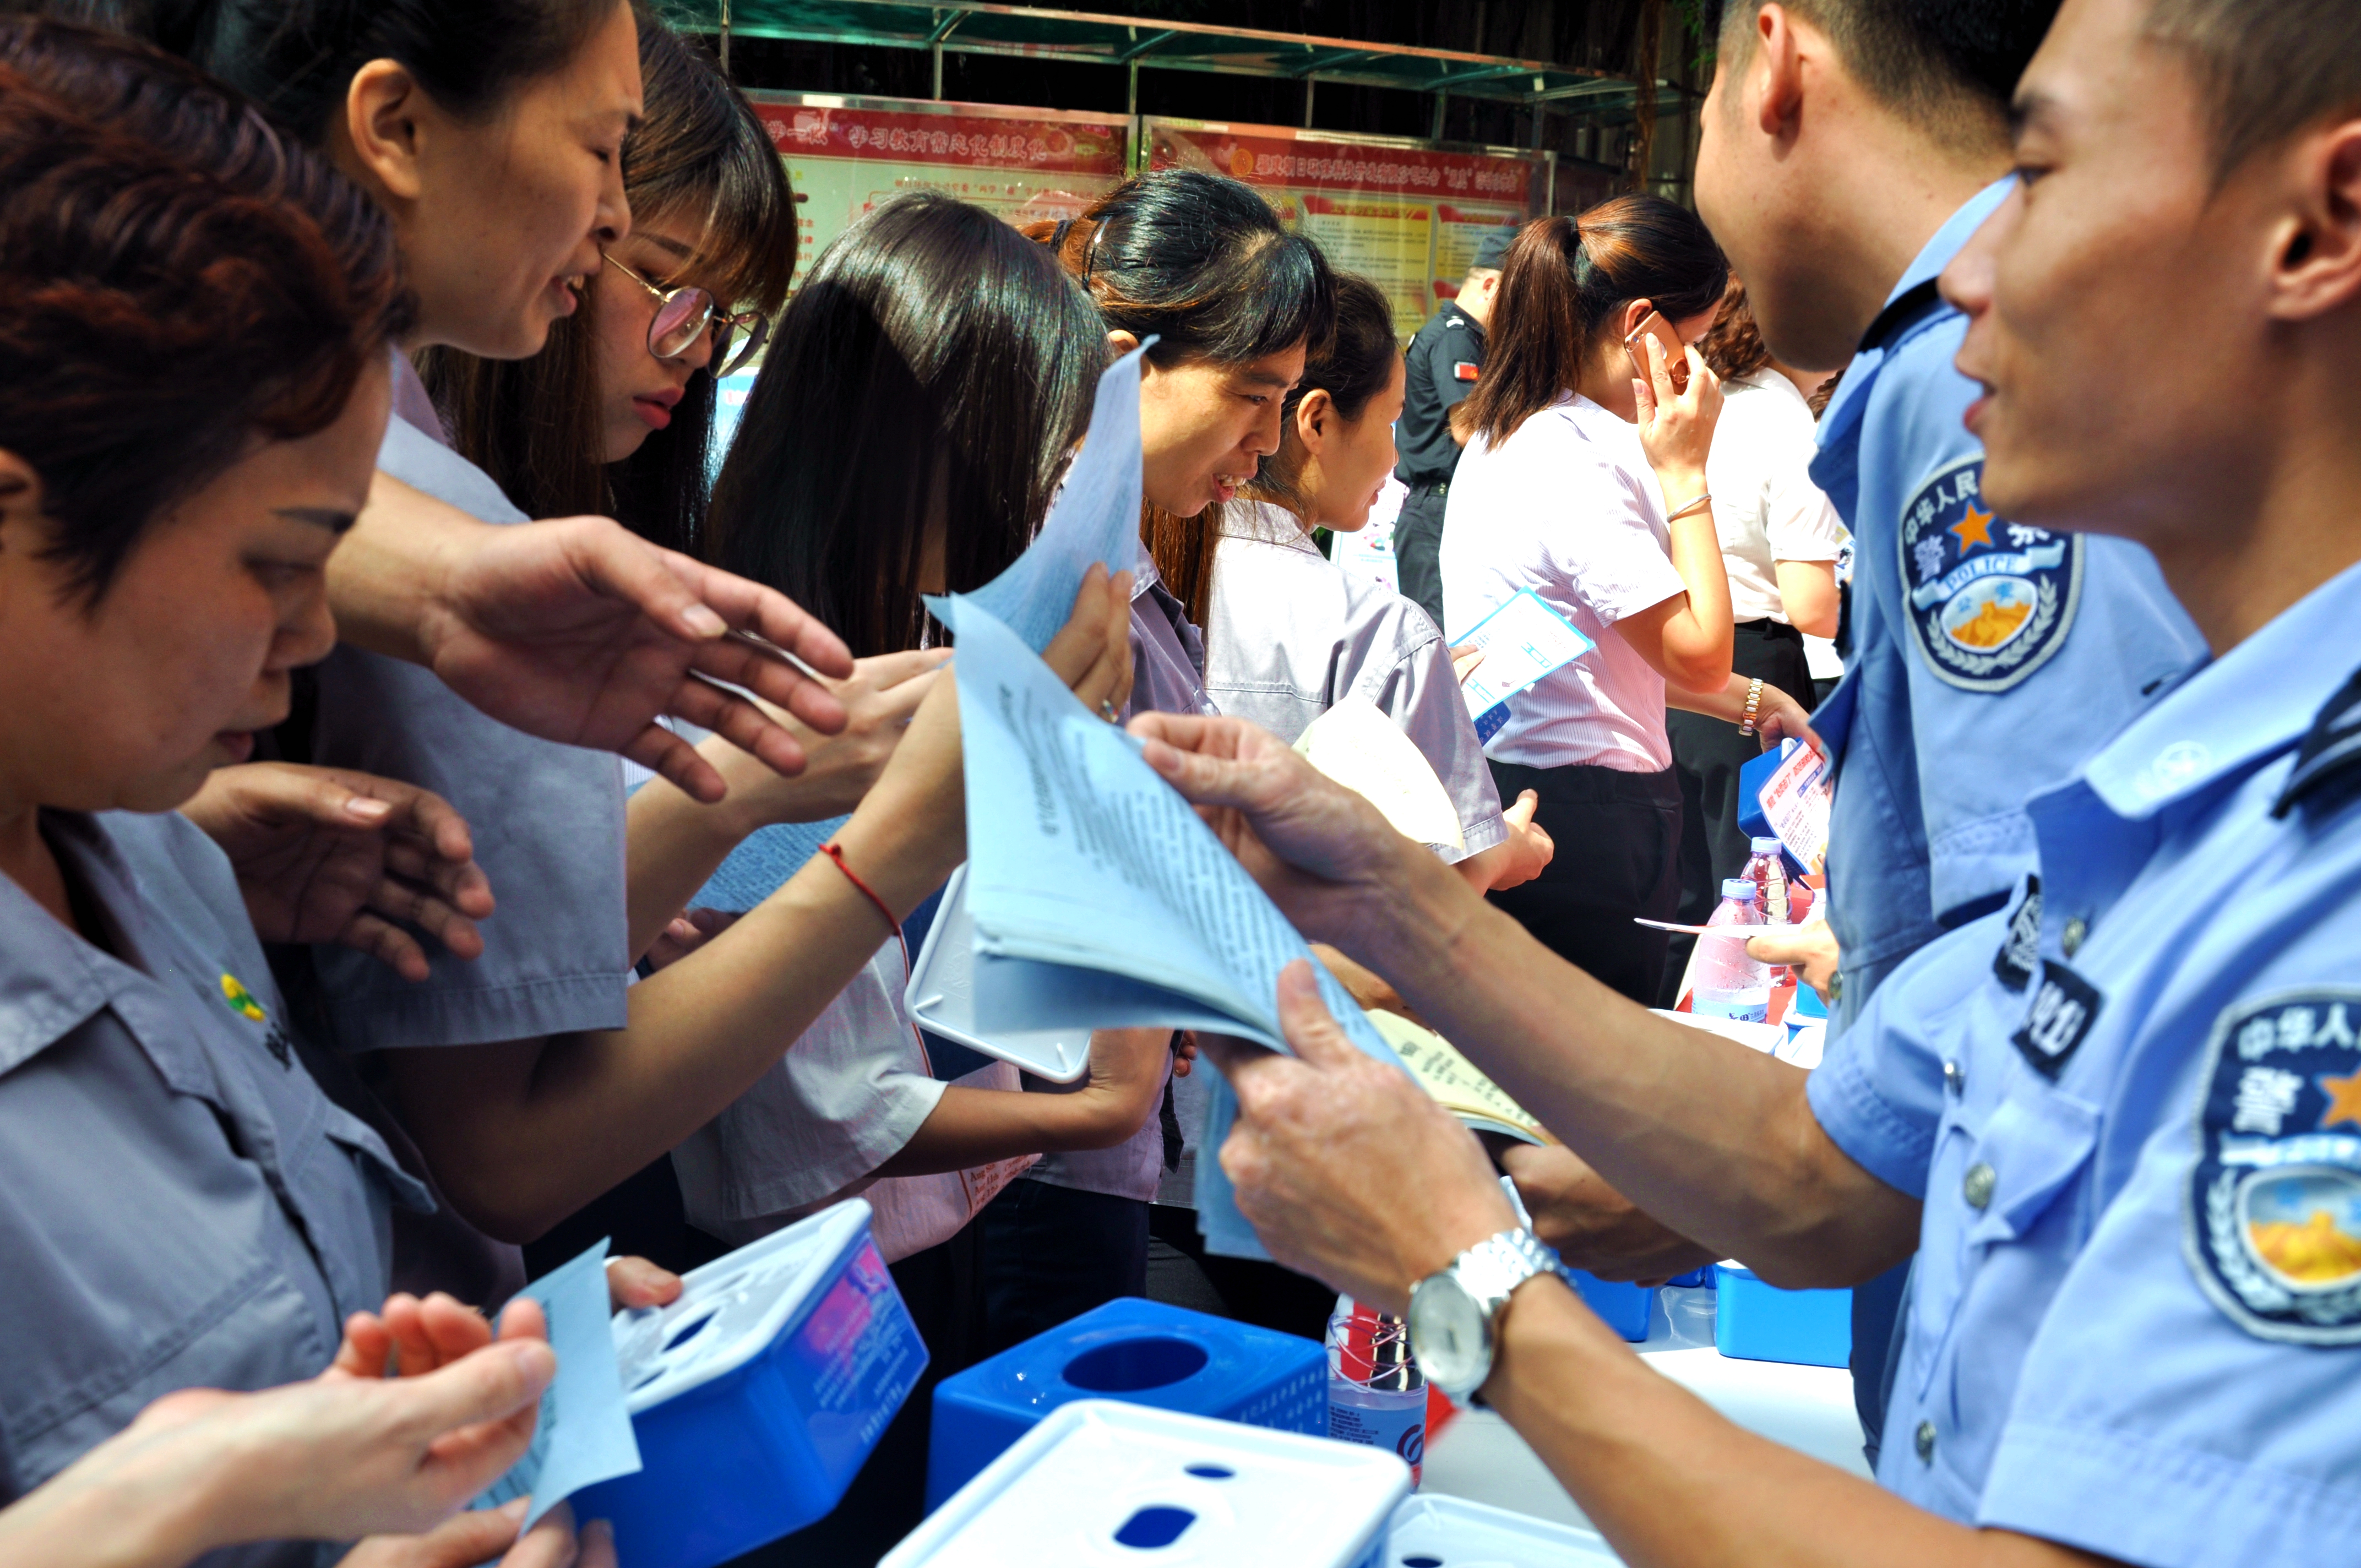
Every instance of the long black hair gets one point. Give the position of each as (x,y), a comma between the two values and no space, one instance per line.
(1203,263)
(297,58)
(933,358)
(699,154)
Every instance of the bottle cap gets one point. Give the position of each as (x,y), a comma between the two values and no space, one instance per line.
(1739,887)
(1764,846)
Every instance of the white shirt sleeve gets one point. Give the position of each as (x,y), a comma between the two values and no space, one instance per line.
(1798,519)
(1608,549)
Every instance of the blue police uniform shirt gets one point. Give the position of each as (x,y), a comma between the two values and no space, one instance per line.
(179,1204)
(1988,659)
(2132,1105)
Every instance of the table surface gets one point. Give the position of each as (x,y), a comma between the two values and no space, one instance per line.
(1480,1458)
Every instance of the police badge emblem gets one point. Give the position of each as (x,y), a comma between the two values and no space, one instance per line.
(2272,1213)
(1988,600)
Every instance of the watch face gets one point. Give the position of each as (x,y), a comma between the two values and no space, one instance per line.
(1446,1334)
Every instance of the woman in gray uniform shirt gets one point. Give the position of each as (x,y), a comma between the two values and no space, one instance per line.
(192,392)
(492,132)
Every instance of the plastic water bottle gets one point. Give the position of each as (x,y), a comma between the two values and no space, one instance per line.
(1376,1395)
(1767,870)
(1730,982)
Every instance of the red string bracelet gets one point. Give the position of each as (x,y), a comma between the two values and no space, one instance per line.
(836,854)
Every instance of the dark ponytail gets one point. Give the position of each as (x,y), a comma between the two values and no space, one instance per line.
(1566,277)
(297,58)
(1204,264)
(1356,366)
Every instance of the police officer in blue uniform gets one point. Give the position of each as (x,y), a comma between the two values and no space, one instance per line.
(1442,362)
(1987,658)
(2121,1122)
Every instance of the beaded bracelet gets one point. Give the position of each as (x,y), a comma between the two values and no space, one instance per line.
(1745,725)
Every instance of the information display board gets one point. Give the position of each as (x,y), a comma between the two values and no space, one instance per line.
(1406,216)
(847,155)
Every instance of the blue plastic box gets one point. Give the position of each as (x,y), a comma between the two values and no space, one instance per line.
(757,1395)
(1624,1308)
(1755,1322)
(1102,1481)
(1449,1532)
(1141,1353)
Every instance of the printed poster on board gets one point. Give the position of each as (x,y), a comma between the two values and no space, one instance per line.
(845,155)
(1407,218)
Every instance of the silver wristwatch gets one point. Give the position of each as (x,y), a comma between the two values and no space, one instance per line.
(1455,1315)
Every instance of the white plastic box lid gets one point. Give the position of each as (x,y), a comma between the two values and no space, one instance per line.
(1103,1482)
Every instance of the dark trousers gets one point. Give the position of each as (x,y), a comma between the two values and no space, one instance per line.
(1245,1289)
(1418,550)
(1051,1253)
(1706,754)
(1619,838)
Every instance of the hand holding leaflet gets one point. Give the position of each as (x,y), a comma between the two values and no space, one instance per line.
(585,1433)
(1100,900)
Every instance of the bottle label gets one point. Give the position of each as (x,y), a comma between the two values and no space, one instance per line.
(1400,1428)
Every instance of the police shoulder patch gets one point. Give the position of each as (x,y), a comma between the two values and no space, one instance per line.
(2271,1217)
(1989,601)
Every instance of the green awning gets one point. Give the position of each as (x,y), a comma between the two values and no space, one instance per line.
(967,27)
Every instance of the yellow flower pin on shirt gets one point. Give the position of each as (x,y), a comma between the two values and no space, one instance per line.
(241,1000)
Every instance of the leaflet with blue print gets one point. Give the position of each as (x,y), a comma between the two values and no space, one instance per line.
(1100,899)
(1521,641)
(584,1434)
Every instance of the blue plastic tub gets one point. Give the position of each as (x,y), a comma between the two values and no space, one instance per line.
(1141,1353)
(1756,1322)
(1449,1532)
(1100,1482)
(1624,1308)
(757,1395)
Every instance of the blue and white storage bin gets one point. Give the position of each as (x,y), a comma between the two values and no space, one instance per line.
(1099,1481)
(1756,1322)
(758,1394)
(1142,1353)
(1448,1532)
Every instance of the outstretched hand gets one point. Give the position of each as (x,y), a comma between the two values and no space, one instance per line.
(580,631)
(325,855)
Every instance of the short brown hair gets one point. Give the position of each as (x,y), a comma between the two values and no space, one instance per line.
(2268,67)
(177,279)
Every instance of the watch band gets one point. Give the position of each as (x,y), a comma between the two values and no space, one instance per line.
(1488,1273)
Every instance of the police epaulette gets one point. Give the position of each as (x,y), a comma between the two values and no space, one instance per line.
(2328,768)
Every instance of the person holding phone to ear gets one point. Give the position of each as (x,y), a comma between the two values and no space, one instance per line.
(1585,484)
